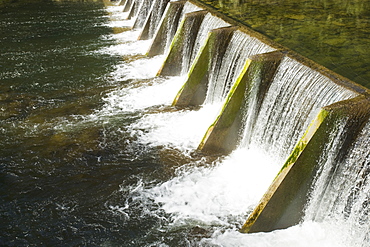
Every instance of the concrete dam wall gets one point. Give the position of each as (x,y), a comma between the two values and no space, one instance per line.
(315,121)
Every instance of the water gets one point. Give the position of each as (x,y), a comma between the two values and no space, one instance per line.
(332,33)
(240,48)
(90,157)
(143,11)
(288,107)
(209,22)
(158,8)
(340,194)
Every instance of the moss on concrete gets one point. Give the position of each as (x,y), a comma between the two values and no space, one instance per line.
(283,204)
(194,91)
(223,135)
(182,43)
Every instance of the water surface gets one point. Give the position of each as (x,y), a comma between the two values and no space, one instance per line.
(332,33)
(92,153)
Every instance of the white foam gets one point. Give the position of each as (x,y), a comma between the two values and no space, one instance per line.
(219,195)
(117,16)
(158,91)
(181,129)
(113,9)
(125,47)
(120,23)
(143,68)
(308,234)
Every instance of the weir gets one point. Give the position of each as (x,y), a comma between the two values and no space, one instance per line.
(171,19)
(218,65)
(314,121)
(153,19)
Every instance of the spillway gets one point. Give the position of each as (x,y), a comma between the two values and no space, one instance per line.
(268,101)
(166,123)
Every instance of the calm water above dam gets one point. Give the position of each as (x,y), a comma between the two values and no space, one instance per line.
(332,33)
(92,153)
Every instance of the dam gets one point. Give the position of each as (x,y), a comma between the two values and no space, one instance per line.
(198,132)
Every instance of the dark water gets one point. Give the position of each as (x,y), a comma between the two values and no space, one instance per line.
(62,176)
(75,174)
(334,33)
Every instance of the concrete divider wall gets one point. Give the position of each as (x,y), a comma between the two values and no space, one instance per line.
(153,18)
(283,203)
(182,44)
(167,28)
(224,134)
(194,91)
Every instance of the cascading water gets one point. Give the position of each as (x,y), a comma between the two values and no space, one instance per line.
(289,106)
(155,16)
(133,8)
(240,48)
(124,172)
(292,82)
(209,22)
(170,21)
(189,7)
(187,198)
(341,194)
(142,13)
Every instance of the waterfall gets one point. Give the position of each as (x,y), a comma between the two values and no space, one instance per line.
(209,22)
(341,193)
(132,7)
(189,38)
(189,7)
(168,25)
(277,109)
(142,13)
(294,97)
(158,7)
(240,48)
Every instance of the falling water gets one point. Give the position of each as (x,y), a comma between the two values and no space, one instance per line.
(171,20)
(142,13)
(124,172)
(189,7)
(189,199)
(240,48)
(209,22)
(157,10)
(294,98)
(133,8)
(341,194)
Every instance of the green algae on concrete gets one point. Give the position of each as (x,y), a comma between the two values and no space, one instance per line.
(223,135)
(182,43)
(283,204)
(170,20)
(194,91)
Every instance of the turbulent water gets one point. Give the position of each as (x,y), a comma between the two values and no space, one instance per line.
(92,153)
